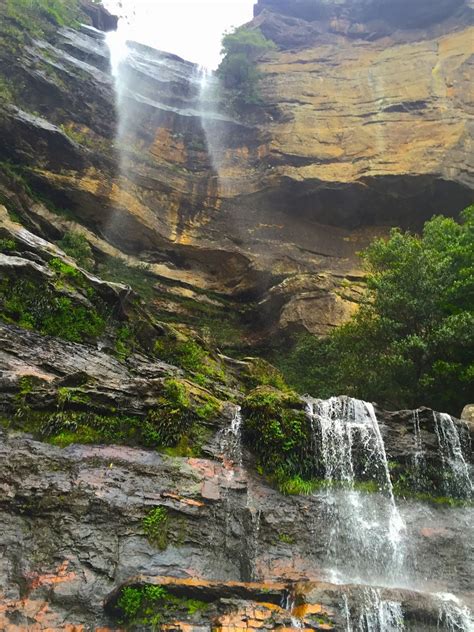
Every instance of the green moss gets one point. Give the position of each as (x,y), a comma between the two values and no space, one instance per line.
(39,307)
(285,538)
(7,245)
(35,18)
(126,341)
(64,269)
(6,91)
(76,246)
(278,431)
(155,526)
(137,277)
(191,356)
(295,485)
(153,605)
(262,373)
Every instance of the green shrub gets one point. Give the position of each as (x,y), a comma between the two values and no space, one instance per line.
(7,245)
(155,525)
(130,602)
(40,307)
(152,605)
(191,356)
(279,432)
(76,246)
(238,71)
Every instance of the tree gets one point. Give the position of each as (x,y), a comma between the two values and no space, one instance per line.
(412,341)
(241,49)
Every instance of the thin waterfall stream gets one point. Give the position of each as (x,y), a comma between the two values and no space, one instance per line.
(367,531)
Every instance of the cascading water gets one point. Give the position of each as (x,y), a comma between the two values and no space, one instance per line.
(456,473)
(454,616)
(366,542)
(419,457)
(230,439)
(374,614)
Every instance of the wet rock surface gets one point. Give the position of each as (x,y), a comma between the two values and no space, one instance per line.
(72,533)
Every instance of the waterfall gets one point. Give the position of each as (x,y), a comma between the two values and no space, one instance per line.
(209,116)
(366,542)
(453,615)
(118,51)
(374,614)
(230,439)
(456,471)
(419,463)
(288,603)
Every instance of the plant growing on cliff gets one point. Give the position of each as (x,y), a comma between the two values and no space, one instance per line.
(155,526)
(412,341)
(238,71)
(76,246)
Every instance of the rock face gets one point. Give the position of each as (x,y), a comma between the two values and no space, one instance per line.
(365,125)
(72,533)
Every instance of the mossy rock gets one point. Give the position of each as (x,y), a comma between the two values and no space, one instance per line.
(277,429)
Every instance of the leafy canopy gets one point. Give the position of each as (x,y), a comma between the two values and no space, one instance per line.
(241,49)
(412,341)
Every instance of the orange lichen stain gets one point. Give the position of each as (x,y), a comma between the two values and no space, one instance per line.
(270,606)
(309,608)
(185,501)
(59,576)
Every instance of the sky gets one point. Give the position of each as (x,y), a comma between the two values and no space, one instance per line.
(189,28)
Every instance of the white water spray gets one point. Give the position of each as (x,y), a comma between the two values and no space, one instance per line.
(453,615)
(366,530)
(456,470)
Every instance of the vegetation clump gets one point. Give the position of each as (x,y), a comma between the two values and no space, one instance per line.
(76,246)
(238,71)
(279,432)
(40,307)
(190,355)
(155,525)
(174,424)
(154,605)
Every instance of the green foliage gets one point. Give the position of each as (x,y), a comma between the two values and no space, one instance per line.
(6,91)
(7,245)
(153,605)
(412,341)
(125,341)
(278,431)
(241,49)
(20,19)
(137,277)
(64,269)
(76,246)
(285,538)
(130,602)
(173,424)
(191,356)
(262,373)
(40,307)
(155,526)
(295,485)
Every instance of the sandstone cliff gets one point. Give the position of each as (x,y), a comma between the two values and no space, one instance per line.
(365,124)
(142,470)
